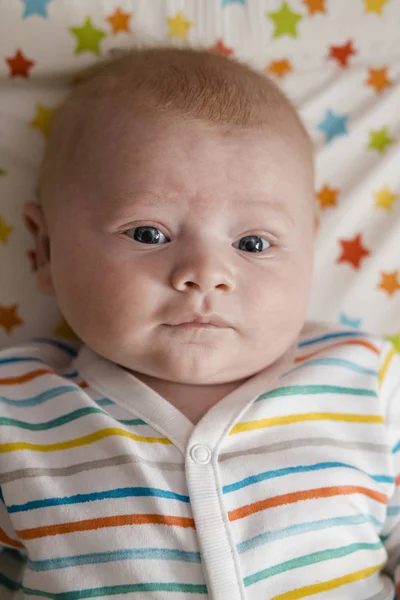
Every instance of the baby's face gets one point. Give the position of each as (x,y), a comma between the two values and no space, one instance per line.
(228,230)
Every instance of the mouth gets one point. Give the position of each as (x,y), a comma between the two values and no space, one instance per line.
(196,321)
(196,325)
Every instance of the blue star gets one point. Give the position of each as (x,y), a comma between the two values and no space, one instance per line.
(35,7)
(345,320)
(226,2)
(333,125)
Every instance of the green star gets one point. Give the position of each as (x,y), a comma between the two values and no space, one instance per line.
(395,339)
(88,37)
(285,21)
(379,139)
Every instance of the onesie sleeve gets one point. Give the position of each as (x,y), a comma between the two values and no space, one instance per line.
(389,385)
(12,557)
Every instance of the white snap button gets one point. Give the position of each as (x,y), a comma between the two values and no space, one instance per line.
(200,454)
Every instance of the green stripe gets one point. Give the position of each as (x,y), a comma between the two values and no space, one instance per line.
(309,559)
(292,390)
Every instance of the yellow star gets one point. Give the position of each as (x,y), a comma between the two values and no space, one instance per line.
(384,198)
(42,119)
(395,339)
(64,330)
(178,26)
(375,6)
(5,231)
(8,317)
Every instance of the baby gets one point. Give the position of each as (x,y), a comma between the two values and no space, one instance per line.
(203,440)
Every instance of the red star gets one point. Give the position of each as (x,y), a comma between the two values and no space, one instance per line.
(342,53)
(353,251)
(220,48)
(19,64)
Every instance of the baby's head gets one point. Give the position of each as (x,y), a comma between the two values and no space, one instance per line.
(178,183)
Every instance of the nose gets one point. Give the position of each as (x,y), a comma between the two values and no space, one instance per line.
(203,271)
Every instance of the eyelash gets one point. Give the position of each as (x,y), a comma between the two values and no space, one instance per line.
(266,238)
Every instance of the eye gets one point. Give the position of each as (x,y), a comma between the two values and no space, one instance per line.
(146,234)
(253,243)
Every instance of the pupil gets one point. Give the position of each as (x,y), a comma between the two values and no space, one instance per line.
(147,234)
(247,243)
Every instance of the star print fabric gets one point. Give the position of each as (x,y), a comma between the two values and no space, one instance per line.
(337,60)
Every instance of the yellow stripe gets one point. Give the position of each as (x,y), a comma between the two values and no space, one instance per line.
(309,590)
(385,365)
(82,441)
(273,421)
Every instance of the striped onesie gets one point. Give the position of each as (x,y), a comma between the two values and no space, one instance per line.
(287,488)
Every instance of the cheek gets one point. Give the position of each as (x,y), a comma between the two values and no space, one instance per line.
(95,292)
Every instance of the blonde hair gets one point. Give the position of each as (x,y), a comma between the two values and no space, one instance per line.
(191,83)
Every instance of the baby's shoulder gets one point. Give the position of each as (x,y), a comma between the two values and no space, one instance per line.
(35,365)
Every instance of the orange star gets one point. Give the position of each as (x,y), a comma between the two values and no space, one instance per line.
(315,6)
(119,21)
(342,53)
(19,64)
(279,67)
(220,48)
(378,79)
(389,282)
(9,318)
(327,196)
(353,251)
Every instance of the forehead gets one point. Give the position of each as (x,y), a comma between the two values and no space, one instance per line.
(128,151)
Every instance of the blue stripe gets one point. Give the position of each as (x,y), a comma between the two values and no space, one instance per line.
(40,398)
(15,359)
(58,344)
(329,336)
(71,375)
(116,493)
(300,469)
(194,557)
(339,362)
(284,532)
(102,557)
(159,493)
(393,511)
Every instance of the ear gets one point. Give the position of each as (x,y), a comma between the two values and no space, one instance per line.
(36,223)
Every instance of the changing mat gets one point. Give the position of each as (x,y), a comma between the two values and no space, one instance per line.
(338,60)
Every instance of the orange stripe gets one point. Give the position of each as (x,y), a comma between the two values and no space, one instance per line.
(349,342)
(4,539)
(115,521)
(26,377)
(397,480)
(345,490)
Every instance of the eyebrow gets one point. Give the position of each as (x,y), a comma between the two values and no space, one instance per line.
(266,203)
